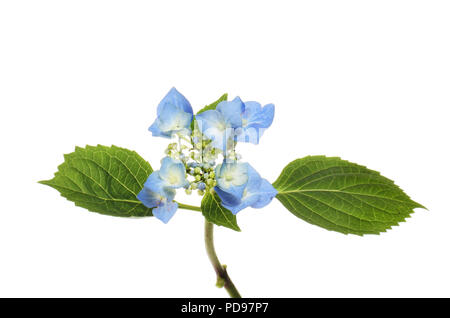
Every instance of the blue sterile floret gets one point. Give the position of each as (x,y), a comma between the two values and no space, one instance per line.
(155,195)
(174,115)
(237,121)
(159,189)
(173,172)
(255,120)
(219,125)
(196,152)
(231,181)
(240,186)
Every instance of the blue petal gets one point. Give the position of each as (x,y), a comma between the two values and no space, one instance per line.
(249,196)
(232,178)
(213,125)
(255,116)
(171,120)
(156,131)
(217,136)
(149,198)
(155,184)
(154,191)
(242,205)
(250,134)
(232,111)
(266,193)
(255,121)
(250,109)
(175,98)
(258,193)
(254,179)
(227,198)
(174,119)
(222,140)
(166,165)
(165,211)
(210,119)
(173,173)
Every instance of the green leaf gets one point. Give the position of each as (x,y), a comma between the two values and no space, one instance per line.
(342,196)
(104,180)
(214,212)
(212,106)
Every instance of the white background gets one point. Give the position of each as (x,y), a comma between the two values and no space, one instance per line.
(364,80)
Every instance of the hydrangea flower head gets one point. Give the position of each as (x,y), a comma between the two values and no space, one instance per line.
(190,163)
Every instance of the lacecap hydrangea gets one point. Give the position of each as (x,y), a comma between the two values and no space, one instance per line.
(204,158)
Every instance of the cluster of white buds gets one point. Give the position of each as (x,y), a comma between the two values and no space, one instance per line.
(199,159)
(203,175)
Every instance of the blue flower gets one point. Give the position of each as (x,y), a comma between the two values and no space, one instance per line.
(255,119)
(174,115)
(155,195)
(232,111)
(235,120)
(257,193)
(219,125)
(173,173)
(159,189)
(231,181)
